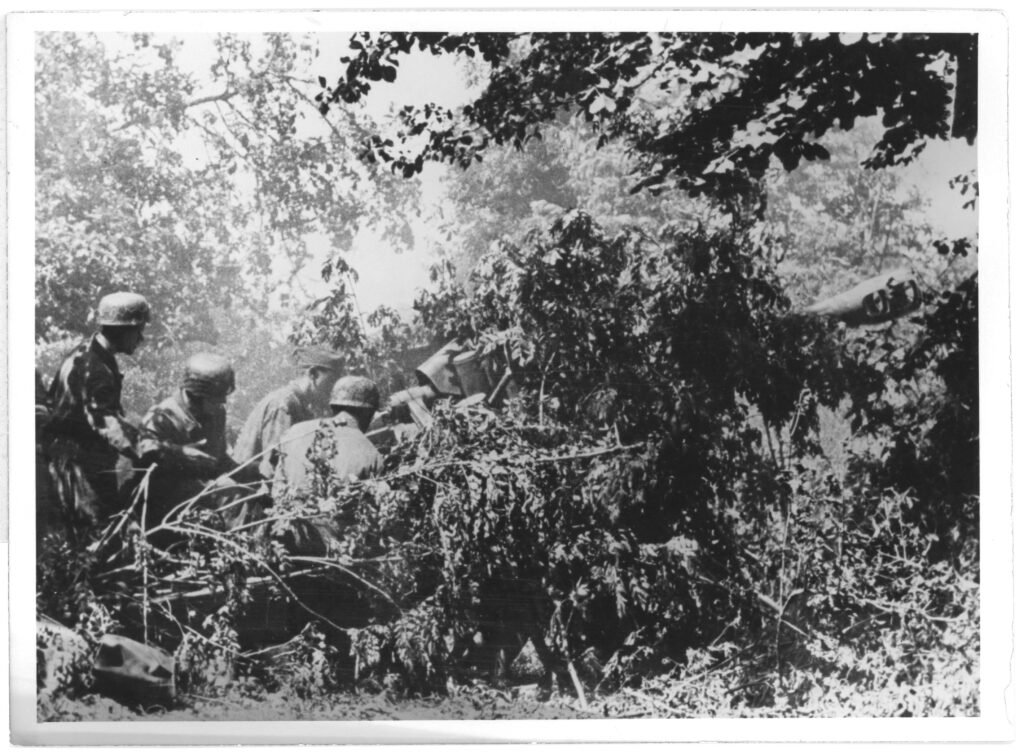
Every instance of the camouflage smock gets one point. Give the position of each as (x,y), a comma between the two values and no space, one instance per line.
(169,426)
(166,429)
(89,444)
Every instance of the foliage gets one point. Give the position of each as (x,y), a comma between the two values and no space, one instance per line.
(924,415)
(188,189)
(63,590)
(840,224)
(624,511)
(704,112)
(624,330)
(486,524)
(512,191)
(372,345)
(865,624)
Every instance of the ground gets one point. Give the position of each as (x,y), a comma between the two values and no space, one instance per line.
(475,703)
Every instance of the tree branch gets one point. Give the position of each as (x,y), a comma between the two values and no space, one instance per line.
(224,96)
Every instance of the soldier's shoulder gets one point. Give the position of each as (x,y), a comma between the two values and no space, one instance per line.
(83,362)
(300,430)
(79,355)
(284,396)
(268,401)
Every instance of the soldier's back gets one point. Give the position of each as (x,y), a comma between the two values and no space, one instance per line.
(346,450)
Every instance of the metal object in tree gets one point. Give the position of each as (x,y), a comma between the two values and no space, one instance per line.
(874,301)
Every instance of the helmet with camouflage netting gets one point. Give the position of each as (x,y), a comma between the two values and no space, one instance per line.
(123,309)
(355,391)
(209,375)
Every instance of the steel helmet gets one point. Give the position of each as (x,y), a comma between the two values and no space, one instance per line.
(355,391)
(209,375)
(123,309)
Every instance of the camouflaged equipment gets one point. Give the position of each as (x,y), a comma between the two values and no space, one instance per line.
(209,375)
(878,300)
(438,372)
(473,374)
(123,309)
(355,391)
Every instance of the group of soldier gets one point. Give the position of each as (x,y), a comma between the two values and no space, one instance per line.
(92,463)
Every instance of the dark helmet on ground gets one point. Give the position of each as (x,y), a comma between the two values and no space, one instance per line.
(209,375)
(355,391)
(123,309)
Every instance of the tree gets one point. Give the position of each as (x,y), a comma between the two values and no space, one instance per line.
(708,114)
(198,193)
(512,191)
(711,115)
(840,224)
(372,346)
(704,112)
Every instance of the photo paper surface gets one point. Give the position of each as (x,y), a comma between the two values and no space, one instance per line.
(489,376)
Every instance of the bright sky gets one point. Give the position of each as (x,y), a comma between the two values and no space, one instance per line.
(390,276)
(939,163)
(387,274)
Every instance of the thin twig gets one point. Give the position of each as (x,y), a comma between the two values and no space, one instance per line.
(350,573)
(223,96)
(204,592)
(144,551)
(202,532)
(577,683)
(210,488)
(186,628)
(419,469)
(142,488)
(543,379)
(278,518)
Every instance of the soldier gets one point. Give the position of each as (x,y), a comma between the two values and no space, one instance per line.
(89,441)
(185,436)
(354,400)
(303,399)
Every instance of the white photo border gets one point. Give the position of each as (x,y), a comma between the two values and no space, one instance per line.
(995,722)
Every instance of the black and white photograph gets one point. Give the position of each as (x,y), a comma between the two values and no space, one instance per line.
(546,368)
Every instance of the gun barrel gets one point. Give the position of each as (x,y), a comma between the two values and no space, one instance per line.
(882,298)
